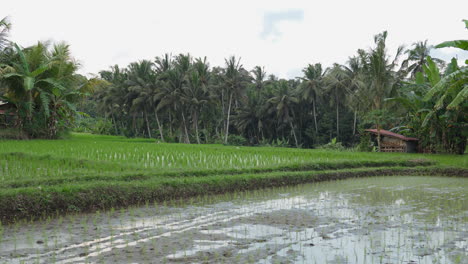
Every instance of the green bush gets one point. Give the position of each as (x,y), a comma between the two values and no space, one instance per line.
(365,143)
(236,140)
(333,145)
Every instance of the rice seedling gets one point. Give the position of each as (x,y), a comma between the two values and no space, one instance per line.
(96,173)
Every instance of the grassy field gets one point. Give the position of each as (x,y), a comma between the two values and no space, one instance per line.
(89,172)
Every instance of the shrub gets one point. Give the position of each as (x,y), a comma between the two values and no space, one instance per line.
(236,140)
(365,143)
(333,145)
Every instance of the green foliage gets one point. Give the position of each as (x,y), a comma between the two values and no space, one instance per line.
(365,143)
(236,140)
(92,125)
(41,83)
(333,145)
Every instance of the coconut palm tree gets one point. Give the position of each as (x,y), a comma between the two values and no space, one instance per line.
(381,74)
(110,98)
(259,76)
(312,86)
(170,94)
(251,116)
(282,103)
(337,82)
(355,86)
(140,79)
(196,93)
(417,58)
(233,86)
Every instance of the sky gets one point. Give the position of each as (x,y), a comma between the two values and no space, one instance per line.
(283,36)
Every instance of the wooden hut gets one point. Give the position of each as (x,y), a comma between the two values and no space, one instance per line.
(393,142)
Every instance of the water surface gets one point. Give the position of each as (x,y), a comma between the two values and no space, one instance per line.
(367,220)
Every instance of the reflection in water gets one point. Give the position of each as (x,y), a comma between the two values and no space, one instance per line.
(370,220)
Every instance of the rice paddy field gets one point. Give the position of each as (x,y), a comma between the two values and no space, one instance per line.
(101,199)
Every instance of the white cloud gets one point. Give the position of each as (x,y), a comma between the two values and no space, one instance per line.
(271,21)
(103,33)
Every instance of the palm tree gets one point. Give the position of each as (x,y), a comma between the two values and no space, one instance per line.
(355,87)
(282,103)
(337,82)
(259,75)
(233,85)
(251,116)
(111,96)
(140,80)
(311,87)
(417,58)
(196,93)
(381,76)
(163,64)
(170,94)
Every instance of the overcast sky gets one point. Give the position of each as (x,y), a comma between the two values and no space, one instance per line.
(283,36)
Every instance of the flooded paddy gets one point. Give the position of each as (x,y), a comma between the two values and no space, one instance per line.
(367,220)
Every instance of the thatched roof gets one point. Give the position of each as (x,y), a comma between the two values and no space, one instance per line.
(387,133)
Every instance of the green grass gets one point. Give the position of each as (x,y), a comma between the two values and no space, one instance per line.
(89,172)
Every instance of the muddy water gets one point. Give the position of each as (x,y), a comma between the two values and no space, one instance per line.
(370,220)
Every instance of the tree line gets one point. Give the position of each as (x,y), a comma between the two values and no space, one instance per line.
(183,99)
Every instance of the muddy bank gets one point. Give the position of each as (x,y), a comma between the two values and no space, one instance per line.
(34,203)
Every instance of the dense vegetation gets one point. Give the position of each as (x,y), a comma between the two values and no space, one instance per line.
(182,99)
(42,83)
(90,172)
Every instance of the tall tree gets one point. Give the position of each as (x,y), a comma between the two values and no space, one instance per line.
(196,93)
(337,82)
(312,86)
(233,86)
(282,103)
(381,75)
(417,58)
(259,76)
(140,82)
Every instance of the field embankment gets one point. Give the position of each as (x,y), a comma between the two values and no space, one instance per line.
(86,173)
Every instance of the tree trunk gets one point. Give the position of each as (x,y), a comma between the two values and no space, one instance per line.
(315,117)
(354,123)
(294,133)
(195,123)
(228,116)
(378,137)
(115,123)
(170,124)
(187,138)
(159,125)
(337,123)
(147,124)
(134,124)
